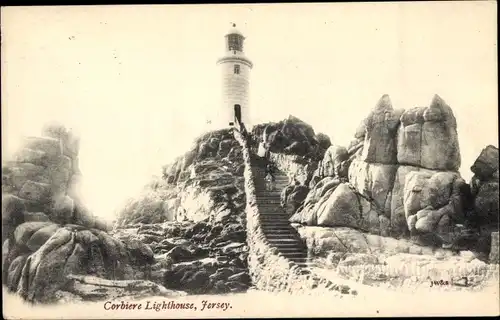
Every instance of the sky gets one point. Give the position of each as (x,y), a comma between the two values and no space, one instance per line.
(138,83)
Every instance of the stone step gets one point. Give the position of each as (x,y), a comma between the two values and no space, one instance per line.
(275,223)
(282,236)
(262,175)
(293,255)
(270,211)
(270,202)
(288,227)
(291,250)
(274,216)
(275,230)
(301,261)
(267,197)
(267,206)
(284,243)
(271,218)
(293,245)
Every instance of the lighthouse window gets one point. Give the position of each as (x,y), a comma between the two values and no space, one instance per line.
(235,42)
(236,69)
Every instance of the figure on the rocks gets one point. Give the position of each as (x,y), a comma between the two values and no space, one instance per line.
(262,152)
(270,178)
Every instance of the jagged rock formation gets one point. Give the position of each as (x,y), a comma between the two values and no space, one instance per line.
(43,178)
(398,177)
(401,172)
(205,182)
(291,136)
(193,219)
(48,234)
(484,187)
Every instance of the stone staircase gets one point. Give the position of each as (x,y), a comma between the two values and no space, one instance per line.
(274,220)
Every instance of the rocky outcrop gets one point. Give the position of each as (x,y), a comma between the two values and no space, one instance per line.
(484,187)
(199,258)
(43,177)
(381,127)
(483,201)
(48,234)
(402,167)
(206,182)
(291,136)
(440,194)
(384,261)
(427,137)
(193,219)
(43,254)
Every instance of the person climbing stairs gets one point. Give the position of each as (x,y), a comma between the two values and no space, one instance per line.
(274,220)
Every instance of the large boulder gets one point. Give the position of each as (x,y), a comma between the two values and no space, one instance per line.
(291,136)
(13,210)
(428,137)
(486,165)
(433,204)
(398,220)
(323,140)
(381,129)
(485,189)
(374,181)
(332,161)
(54,252)
(486,204)
(341,209)
(292,197)
(314,200)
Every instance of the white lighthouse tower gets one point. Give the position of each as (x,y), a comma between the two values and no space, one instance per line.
(235,73)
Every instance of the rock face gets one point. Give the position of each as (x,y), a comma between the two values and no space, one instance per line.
(43,254)
(291,136)
(403,170)
(193,219)
(440,194)
(199,258)
(428,138)
(205,182)
(384,261)
(483,201)
(381,128)
(484,187)
(44,177)
(48,234)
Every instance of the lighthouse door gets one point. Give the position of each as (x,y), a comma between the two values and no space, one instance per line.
(237,113)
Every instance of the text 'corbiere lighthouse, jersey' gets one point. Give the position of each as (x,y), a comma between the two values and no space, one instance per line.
(235,71)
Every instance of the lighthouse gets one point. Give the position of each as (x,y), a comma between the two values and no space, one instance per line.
(235,77)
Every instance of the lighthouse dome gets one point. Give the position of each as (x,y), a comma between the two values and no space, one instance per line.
(234,30)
